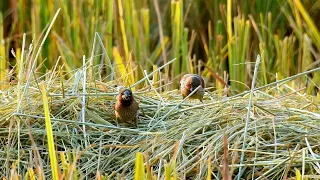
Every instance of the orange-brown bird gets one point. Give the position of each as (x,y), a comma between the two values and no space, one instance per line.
(126,107)
(190,82)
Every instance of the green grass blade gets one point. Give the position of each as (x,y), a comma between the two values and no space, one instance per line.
(51,144)
(140,173)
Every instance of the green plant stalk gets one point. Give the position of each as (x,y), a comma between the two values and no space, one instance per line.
(129,7)
(3,57)
(212,51)
(263,73)
(136,37)
(221,33)
(72,35)
(300,48)
(91,30)
(264,51)
(66,19)
(230,43)
(45,17)
(123,31)
(146,49)
(51,148)
(245,48)
(22,14)
(35,19)
(313,28)
(145,14)
(176,10)
(94,25)
(270,46)
(75,33)
(139,167)
(241,30)
(184,50)
(306,55)
(109,29)
(284,58)
(138,47)
(208,55)
(167,172)
(291,55)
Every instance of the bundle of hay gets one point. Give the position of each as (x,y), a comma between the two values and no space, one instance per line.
(278,138)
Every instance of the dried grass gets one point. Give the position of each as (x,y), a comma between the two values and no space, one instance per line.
(283,132)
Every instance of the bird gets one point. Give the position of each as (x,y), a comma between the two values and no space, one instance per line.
(190,82)
(126,107)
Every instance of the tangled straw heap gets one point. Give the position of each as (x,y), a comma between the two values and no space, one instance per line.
(283,132)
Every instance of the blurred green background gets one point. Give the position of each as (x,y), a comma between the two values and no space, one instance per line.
(218,39)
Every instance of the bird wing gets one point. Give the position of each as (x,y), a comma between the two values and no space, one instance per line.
(136,104)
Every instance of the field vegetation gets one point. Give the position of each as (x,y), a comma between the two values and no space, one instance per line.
(62,63)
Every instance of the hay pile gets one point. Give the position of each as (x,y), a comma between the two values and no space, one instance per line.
(283,132)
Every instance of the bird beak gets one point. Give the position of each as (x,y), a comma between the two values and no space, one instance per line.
(191,89)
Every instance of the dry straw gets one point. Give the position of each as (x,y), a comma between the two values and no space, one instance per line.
(282,132)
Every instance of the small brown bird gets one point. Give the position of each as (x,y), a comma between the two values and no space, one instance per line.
(126,107)
(190,82)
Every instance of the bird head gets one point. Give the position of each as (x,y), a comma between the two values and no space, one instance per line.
(126,94)
(192,83)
